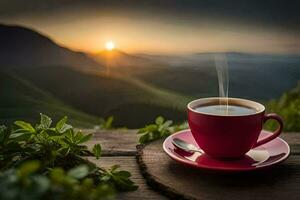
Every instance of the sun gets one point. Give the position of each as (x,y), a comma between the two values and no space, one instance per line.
(109,45)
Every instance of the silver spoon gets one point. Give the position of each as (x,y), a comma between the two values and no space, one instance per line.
(259,156)
(181,144)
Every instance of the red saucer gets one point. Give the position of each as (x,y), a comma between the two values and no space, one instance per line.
(263,156)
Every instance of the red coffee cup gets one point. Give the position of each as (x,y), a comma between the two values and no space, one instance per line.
(229,136)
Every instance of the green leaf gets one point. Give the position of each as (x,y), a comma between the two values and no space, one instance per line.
(3,129)
(88,182)
(45,121)
(42,184)
(114,168)
(79,172)
(144,138)
(28,168)
(64,128)
(52,132)
(61,126)
(151,127)
(85,138)
(68,142)
(105,178)
(158,129)
(159,120)
(121,180)
(97,150)
(167,123)
(61,123)
(3,133)
(106,124)
(109,122)
(124,174)
(20,136)
(24,125)
(57,174)
(142,130)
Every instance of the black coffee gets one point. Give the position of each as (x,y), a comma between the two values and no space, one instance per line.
(226,110)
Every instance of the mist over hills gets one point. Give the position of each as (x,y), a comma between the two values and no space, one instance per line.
(253,76)
(199,59)
(39,75)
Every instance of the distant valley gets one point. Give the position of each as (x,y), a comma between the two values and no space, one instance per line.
(38,75)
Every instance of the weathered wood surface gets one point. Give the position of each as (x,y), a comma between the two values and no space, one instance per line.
(115,142)
(171,178)
(180,181)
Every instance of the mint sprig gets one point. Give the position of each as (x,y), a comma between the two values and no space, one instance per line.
(161,128)
(46,161)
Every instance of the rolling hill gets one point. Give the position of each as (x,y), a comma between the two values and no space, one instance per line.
(132,102)
(39,75)
(20,99)
(74,81)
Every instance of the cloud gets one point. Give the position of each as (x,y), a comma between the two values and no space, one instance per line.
(282,14)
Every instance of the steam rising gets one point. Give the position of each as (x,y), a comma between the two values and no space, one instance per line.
(223,79)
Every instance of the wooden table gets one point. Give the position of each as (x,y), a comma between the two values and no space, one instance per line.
(119,147)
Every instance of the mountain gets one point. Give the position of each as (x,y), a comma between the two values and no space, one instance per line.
(23,47)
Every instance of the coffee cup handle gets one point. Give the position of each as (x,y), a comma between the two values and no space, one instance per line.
(275,134)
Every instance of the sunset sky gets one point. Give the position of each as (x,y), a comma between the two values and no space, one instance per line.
(177,26)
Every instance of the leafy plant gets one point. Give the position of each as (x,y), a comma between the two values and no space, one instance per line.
(105,123)
(113,176)
(25,182)
(288,106)
(59,150)
(160,129)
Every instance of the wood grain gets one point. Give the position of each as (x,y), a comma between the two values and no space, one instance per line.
(115,142)
(291,138)
(178,181)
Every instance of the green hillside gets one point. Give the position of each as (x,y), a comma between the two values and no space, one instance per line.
(251,76)
(46,77)
(287,106)
(132,102)
(196,82)
(20,99)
